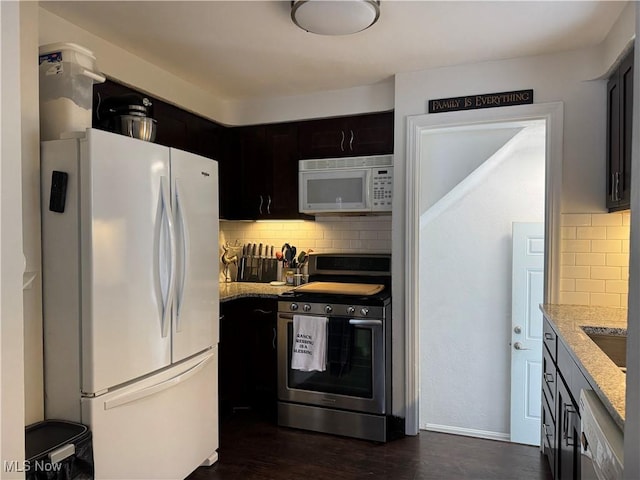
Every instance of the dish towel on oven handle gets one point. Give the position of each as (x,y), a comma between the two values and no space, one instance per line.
(309,351)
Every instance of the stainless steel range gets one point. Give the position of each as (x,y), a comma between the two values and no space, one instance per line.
(352,395)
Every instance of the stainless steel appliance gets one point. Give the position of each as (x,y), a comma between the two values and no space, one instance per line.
(350,184)
(130,115)
(352,397)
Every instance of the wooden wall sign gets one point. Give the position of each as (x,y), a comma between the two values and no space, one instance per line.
(487,100)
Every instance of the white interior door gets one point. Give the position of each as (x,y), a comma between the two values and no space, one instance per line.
(194,188)
(122,207)
(526,332)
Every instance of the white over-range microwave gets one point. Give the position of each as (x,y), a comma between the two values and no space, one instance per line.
(346,185)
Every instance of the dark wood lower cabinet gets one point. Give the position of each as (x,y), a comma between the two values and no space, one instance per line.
(562,381)
(568,435)
(248,361)
(548,438)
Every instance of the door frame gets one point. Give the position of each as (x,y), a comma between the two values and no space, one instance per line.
(552,113)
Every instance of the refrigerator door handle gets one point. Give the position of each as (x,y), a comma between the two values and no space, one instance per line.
(185,259)
(157,388)
(166,315)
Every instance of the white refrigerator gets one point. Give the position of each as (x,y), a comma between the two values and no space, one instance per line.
(131,306)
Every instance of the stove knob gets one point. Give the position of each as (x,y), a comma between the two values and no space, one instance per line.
(293,306)
(328,309)
(364,311)
(351,310)
(307,308)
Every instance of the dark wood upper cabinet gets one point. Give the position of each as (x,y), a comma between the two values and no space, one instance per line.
(619,132)
(175,127)
(267,162)
(369,134)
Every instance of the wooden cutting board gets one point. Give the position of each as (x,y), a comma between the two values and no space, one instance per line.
(340,288)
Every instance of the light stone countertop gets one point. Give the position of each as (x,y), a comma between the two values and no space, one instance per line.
(605,377)
(233,290)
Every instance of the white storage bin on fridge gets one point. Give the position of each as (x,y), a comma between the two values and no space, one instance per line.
(67,74)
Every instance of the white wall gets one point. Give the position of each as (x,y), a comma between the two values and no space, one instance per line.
(465,149)
(11,259)
(558,77)
(126,68)
(33,375)
(350,101)
(465,277)
(618,42)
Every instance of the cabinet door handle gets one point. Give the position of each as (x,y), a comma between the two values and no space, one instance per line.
(260,207)
(268,204)
(342,141)
(613,187)
(617,186)
(263,312)
(351,141)
(273,341)
(548,377)
(568,410)
(548,336)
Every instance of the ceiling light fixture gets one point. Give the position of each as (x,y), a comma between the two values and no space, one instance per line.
(335,17)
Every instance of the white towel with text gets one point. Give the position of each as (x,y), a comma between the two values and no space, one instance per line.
(309,343)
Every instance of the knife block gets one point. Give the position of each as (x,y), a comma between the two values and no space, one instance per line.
(254,269)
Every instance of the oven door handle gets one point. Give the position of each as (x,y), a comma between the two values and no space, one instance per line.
(352,321)
(365,323)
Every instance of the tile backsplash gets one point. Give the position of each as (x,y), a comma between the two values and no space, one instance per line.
(326,234)
(595,259)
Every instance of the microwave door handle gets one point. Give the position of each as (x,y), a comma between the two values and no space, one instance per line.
(368,191)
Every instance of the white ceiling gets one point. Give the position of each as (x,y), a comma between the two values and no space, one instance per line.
(243,49)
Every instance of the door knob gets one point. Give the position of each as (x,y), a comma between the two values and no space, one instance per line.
(518,346)
(517,329)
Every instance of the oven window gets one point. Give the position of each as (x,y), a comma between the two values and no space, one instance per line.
(356,379)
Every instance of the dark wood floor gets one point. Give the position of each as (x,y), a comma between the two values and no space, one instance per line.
(254,449)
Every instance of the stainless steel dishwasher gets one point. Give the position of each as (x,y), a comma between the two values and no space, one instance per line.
(602,441)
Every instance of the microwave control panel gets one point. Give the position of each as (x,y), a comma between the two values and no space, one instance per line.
(382,182)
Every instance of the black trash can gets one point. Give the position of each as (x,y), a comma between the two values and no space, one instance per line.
(58,450)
